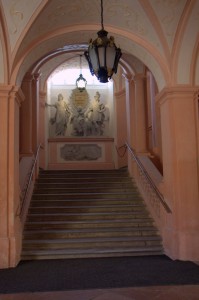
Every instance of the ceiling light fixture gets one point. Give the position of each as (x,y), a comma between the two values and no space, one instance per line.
(102,54)
(81,81)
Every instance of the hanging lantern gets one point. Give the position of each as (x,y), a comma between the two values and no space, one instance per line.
(102,54)
(81,81)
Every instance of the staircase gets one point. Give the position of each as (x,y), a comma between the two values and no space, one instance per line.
(76,214)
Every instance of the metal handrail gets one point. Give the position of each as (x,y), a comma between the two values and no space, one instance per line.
(117,149)
(29,181)
(150,181)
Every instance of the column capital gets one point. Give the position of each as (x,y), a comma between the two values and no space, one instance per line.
(42,102)
(42,94)
(128,77)
(36,76)
(120,93)
(18,95)
(28,77)
(139,77)
(42,98)
(177,92)
(11,91)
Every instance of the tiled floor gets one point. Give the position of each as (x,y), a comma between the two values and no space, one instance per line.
(187,292)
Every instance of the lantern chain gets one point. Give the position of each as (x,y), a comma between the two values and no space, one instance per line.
(80,64)
(102,22)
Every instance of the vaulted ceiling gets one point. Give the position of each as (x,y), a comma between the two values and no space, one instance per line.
(161,34)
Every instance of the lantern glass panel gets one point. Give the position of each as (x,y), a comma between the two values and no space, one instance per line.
(102,56)
(93,58)
(110,57)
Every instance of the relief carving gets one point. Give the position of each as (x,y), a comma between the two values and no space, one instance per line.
(79,152)
(79,116)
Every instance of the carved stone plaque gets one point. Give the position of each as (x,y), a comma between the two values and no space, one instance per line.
(72,152)
(79,98)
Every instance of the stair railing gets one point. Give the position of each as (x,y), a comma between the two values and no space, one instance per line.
(27,187)
(148,178)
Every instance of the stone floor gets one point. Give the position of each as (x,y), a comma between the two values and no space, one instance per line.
(187,292)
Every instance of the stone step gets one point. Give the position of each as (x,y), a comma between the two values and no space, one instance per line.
(86,216)
(101,242)
(86,209)
(88,233)
(96,195)
(84,173)
(122,170)
(86,189)
(85,202)
(83,185)
(85,180)
(89,253)
(107,224)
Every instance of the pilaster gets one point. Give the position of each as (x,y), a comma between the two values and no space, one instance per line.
(179,124)
(10,231)
(131,121)
(130,110)
(120,135)
(140,113)
(26,116)
(35,112)
(42,129)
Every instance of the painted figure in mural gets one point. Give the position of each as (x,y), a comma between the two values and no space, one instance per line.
(61,117)
(97,113)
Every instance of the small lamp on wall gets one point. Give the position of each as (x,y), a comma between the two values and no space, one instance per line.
(102,54)
(81,81)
